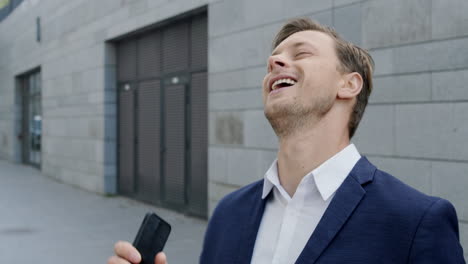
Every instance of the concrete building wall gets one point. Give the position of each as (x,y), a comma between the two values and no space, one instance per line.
(415,126)
(78,80)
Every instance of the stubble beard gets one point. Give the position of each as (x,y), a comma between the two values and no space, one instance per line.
(287,119)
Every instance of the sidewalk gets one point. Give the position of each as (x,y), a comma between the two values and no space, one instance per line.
(44,221)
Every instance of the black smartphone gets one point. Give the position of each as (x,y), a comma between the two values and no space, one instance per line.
(151,237)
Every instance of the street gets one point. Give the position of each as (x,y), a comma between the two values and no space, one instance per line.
(45,221)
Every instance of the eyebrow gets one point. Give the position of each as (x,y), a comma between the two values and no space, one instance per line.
(296,45)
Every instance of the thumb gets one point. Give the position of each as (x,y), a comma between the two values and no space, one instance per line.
(160,258)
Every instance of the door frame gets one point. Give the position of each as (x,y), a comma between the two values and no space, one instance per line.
(22,102)
(164,77)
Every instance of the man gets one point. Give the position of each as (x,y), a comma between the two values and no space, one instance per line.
(320,201)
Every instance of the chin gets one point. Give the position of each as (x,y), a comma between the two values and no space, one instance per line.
(277,110)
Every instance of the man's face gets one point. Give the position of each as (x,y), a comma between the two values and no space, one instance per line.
(302,79)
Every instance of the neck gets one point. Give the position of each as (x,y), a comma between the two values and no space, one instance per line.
(304,150)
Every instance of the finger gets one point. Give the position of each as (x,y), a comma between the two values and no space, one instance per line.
(127,251)
(160,258)
(117,260)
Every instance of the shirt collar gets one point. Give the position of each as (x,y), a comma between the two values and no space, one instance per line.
(271,180)
(328,176)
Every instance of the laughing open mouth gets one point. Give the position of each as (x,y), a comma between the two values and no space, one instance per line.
(282,83)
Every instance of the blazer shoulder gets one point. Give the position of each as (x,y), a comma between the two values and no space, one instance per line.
(240,198)
(395,195)
(437,239)
(228,222)
(390,184)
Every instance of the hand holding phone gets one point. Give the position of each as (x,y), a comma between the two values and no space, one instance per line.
(151,237)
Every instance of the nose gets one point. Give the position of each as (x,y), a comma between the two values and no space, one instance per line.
(276,61)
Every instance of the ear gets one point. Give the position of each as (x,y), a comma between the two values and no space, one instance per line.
(352,85)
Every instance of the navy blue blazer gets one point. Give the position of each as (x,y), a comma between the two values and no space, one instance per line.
(373,218)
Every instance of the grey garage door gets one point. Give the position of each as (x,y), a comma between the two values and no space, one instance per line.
(162,102)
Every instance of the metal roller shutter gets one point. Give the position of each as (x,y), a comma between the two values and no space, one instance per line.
(148,155)
(126,58)
(126,139)
(199,144)
(176,48)
(174,138)
(163,117)
(199,43)
(149,56)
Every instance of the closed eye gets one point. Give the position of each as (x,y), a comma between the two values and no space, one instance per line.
(303,54)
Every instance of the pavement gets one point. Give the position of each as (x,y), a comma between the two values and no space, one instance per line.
(45,221)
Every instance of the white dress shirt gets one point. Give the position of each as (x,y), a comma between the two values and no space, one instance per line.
(288,222)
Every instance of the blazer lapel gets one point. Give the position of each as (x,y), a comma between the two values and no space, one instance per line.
(346,199)
(253,218)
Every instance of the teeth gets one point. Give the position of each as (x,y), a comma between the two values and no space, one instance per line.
(287,80)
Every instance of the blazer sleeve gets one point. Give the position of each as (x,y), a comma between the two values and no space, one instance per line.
(436,239)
